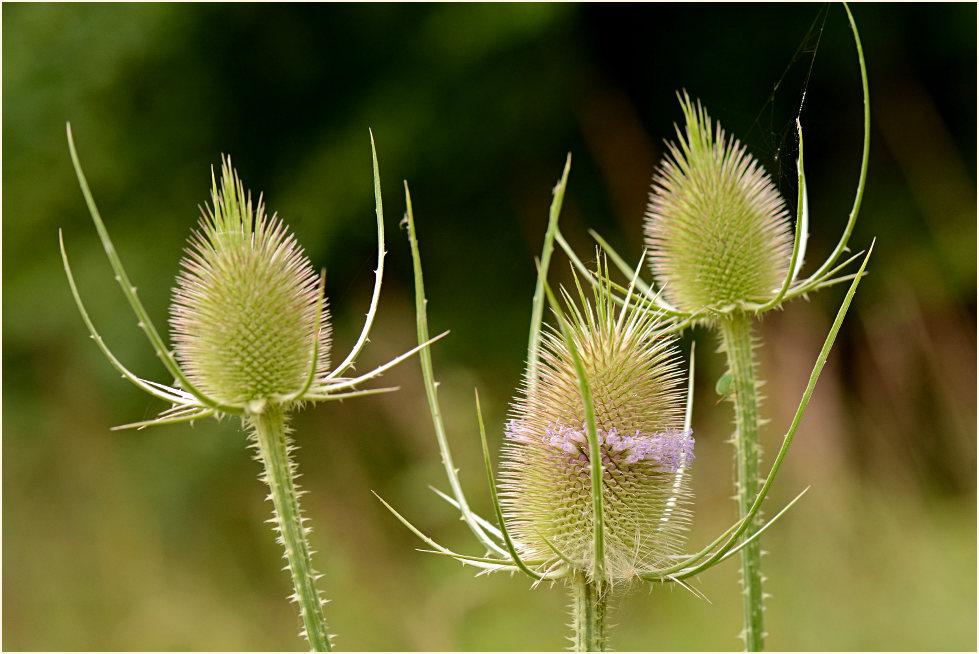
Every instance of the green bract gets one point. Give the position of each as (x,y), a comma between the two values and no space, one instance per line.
(717,229)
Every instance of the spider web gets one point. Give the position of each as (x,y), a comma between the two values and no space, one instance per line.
(778,137)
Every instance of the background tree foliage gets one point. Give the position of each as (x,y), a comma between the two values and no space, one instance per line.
(154,539)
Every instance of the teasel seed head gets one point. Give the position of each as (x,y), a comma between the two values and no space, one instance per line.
(632,372)
(244,313)
(717,229)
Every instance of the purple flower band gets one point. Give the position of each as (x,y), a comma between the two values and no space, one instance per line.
(670,449)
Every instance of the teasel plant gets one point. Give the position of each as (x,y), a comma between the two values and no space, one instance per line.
(720,247)
(594,490)
(250,334)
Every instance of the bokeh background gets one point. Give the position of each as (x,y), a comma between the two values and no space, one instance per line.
(154,540)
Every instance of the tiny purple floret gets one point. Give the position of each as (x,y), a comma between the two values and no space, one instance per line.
(670,449)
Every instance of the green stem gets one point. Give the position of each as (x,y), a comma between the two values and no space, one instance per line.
(589,606)
(736,335)
(273,451)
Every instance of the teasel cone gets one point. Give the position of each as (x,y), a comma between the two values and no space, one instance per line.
(244,314)
(635,381)
(717,230)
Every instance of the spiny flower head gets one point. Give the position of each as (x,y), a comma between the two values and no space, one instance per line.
(633,377)
(716,227)
(244,316)
(249,322)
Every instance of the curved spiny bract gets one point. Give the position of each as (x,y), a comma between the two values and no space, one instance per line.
(717,229)
(546,485)
(243,319)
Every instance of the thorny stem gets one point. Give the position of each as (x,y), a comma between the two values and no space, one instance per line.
(589,607)
(279,473)
(736,335)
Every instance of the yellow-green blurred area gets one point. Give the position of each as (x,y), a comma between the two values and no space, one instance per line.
(155,540)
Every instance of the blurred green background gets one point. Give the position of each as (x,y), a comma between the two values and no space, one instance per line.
(154,540)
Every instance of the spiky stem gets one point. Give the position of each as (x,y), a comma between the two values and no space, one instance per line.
(589,606)
(269,433)
(736,335)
